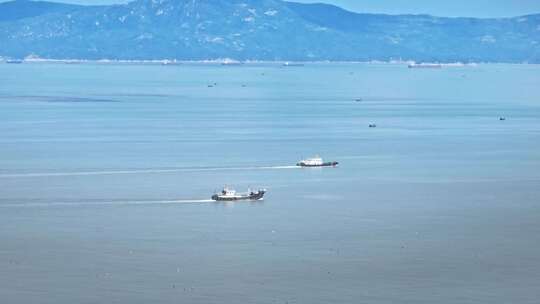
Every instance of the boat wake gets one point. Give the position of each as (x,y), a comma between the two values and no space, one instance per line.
(276,167)
(106,203)
(139,171)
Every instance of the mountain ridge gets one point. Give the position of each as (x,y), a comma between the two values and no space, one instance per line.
(257,30)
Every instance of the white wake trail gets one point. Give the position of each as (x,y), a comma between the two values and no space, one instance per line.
(84,173)
(138,171)
(107,203)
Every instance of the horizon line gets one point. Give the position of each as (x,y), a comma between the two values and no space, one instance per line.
(302,3)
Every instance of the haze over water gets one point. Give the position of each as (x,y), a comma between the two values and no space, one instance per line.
(106,173)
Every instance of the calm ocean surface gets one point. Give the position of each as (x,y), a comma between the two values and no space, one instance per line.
(106,172)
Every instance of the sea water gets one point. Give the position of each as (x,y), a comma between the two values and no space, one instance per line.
(106,171)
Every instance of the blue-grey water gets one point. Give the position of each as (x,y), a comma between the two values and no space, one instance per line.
(106,171)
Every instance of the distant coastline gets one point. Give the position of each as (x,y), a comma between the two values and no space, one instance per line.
(228,61)
(139,31)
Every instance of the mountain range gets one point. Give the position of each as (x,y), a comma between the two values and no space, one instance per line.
(256,30)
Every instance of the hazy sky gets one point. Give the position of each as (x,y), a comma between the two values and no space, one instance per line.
(475,8)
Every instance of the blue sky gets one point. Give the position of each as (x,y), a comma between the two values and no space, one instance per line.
(473,8)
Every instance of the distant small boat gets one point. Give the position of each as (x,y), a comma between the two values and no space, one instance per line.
(372,125)
(231,62)
(171,62)
(425,65)
(316,162)
(293,64)
(358,100)
(228,194)
(502,118)
(14,61)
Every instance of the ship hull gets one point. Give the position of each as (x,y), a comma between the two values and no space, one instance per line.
(328,164)
(250,197)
